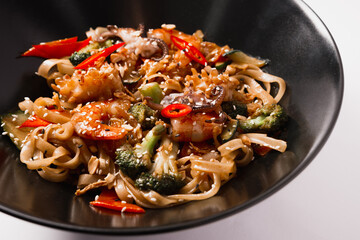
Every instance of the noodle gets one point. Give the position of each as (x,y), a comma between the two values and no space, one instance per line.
(92,116)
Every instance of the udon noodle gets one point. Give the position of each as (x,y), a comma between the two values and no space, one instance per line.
(89,115)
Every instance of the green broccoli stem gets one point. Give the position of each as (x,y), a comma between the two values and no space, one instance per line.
(146,148)
(163,177)
(152,90)
(164,160)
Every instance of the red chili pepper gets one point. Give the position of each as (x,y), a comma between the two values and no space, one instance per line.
(176,110)
(34,52)
(108,199)
(34,121)
(56,49)
(61,50)
(93,58)
(189,50)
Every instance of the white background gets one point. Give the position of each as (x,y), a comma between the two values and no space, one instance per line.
(323,202)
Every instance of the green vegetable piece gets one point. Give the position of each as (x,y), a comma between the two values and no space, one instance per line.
(134,161)
(222,65)
(78,57)
(269,118)
(234,108)
(129,162)
(166,184)
(144,115)
(152,90)
(229,131)
(163,176)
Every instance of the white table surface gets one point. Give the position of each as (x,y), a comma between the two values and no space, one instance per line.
(323,202)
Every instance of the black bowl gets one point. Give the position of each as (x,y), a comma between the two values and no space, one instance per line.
(288,33)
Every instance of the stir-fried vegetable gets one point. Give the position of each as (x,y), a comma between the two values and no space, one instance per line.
(134,161)
(144,115)
(90,61)
(176,110)
(56,49)
(190,51)
(34,121)
(163,176)
(108,199)
(153,91)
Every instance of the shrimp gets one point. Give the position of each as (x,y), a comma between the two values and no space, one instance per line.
(92,120)
(98,82)
(197,127)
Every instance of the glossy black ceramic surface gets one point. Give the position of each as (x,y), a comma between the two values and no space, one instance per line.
(288,33)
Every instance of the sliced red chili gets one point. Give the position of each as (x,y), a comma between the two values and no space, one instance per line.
(176,110)
(190,51)
(90,61)
(35,52)
(61,50)
(56,49)
(34,121)
(108,199)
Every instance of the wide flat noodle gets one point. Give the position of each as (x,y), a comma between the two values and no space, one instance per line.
(51,66)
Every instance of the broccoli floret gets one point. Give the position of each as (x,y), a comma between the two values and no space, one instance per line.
(234,108)
(269,118)
(164,184)
(77,57)
(135,160)
(144,115)
(129,162)
(163,177)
